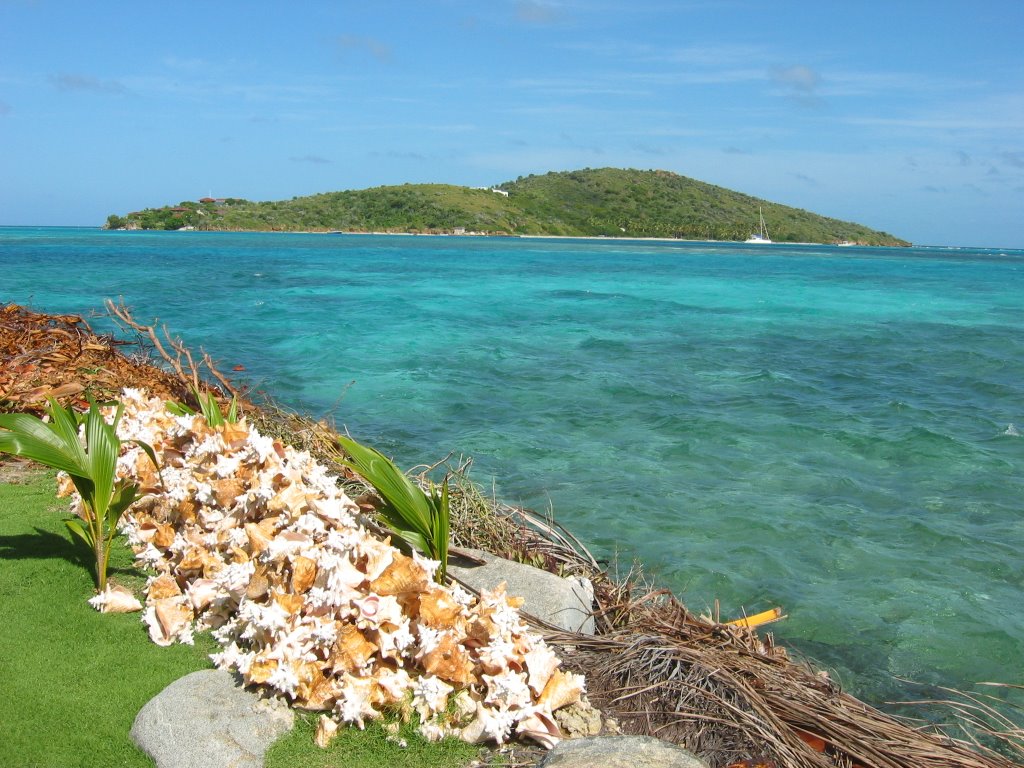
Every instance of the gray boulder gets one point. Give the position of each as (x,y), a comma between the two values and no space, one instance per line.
(619,752)
(207,720)
(566,603)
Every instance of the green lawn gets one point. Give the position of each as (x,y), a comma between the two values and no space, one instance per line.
(371,748)
(72,680)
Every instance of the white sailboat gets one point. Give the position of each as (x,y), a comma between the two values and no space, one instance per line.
(761,236)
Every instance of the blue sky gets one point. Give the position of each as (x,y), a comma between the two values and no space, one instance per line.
(904,115)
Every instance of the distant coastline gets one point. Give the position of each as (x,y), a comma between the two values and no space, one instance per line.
(598,238)
(601,203)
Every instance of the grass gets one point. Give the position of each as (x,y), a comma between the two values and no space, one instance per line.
(72,680)
(372,748)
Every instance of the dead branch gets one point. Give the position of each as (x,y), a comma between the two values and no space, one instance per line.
(189,373)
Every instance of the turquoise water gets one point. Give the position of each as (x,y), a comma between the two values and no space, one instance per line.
(826,429)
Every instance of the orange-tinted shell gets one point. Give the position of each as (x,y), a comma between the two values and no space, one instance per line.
(234,434)
(163,586)
(450,662)
(403,576)
(291,500)
(226,490)
(172,615)
(260,534)
(352,650)
(260,670)
(186,510)
(193,560)
(259,584)
(326,730)
(303,574)
(438,609)
(563,688)
(291,603)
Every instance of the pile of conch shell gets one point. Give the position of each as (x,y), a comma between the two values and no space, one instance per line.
(255,541)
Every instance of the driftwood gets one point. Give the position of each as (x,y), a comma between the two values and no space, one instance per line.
(193,372)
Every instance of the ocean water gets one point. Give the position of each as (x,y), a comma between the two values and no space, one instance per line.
(836,431)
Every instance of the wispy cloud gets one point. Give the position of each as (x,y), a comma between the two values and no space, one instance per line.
(535,12)
(800,84)
(799,78)
(942,123)
(648,149)
(395,154)
(5,108)
(186,65)
(562,86)
(313,159)
(1012,159)
(864,83)
(69,81)
(378,49)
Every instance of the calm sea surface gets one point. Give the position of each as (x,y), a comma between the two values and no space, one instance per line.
(831,430)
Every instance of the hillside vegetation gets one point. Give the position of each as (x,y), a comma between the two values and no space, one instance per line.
(607,202)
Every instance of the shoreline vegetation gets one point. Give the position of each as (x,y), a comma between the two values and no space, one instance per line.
(721,689)
(590,203)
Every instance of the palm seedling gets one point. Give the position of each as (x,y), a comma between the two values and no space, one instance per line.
(208,407)
(420,518)
(91,464)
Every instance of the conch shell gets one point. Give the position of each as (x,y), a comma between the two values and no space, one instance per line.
(201,593)
(260,534)
(227,490)
(115,599)
(541,663)
(540,726)
(260,541)
(260,670)
(169,619)
(303,574)
(563,688)
(449,661)
(161,587)
(326,730)
(352,651)
(402,576)
(438,609)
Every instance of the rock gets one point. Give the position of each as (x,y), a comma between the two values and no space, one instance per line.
(619,752)
(579,719)
(565,603)
(207,720)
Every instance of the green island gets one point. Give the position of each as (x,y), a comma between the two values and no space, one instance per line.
(601,202)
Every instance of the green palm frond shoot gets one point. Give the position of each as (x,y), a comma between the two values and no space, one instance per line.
(209,407)
(91,464)
(418,517)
